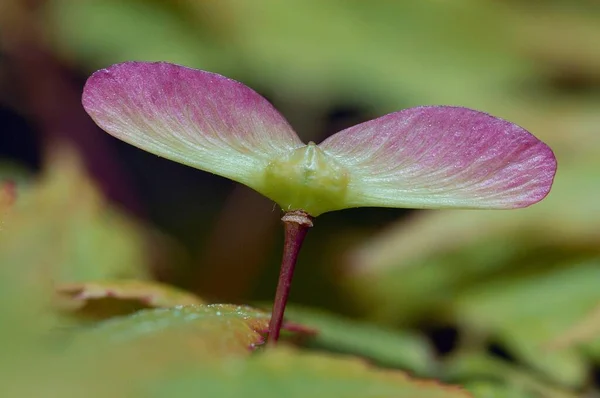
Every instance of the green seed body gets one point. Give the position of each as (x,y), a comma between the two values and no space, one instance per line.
(307,179)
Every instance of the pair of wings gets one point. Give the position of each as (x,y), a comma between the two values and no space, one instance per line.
(424,157)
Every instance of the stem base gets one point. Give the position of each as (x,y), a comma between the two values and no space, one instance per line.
(296,224)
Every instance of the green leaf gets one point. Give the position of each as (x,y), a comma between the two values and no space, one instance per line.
(287,373)
(215,328)
(485,389)
(487,376)
(592,348)
(389,347)
(527,313)
(104,299)
(65,229)
(585,332)
(126,354)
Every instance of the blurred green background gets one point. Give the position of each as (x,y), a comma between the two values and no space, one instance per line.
(481,286)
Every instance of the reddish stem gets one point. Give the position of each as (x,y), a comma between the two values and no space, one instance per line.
(296,224)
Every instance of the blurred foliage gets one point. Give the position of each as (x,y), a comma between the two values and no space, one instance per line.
(181,348)
(72,227)
(519,289)
(213,330)
(7,198)
(387,347)
(99,300)
(487,376)
(288,373)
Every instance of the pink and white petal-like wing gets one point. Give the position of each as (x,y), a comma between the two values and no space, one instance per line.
(194,117)
(442,157)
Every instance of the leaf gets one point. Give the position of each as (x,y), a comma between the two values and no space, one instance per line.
(64,229)
(104,299)
(585,330)
(424,157)
(592,349)
(193,117)
(214,328)
(530,299)
(528,312)
(489,377)
(485,389)
(442,157)
(215,124)
(284,372)
(385,346)
(133,352)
